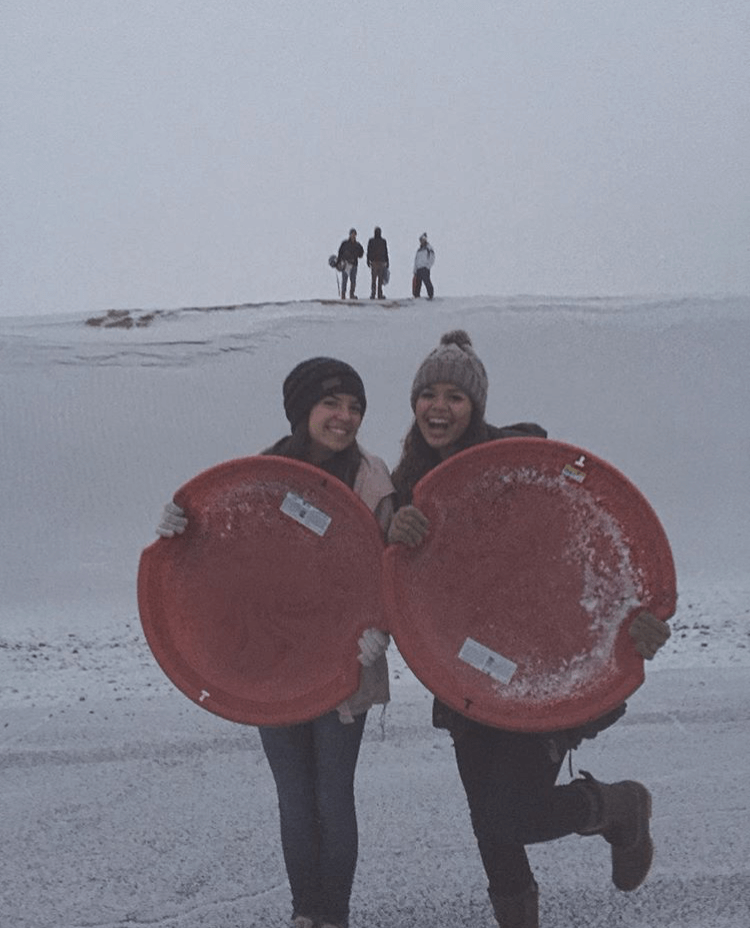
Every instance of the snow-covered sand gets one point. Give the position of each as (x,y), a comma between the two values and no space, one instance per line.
(124,804)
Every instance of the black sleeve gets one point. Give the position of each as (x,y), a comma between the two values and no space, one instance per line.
(519,430)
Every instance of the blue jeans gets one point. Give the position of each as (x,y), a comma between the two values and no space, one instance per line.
(350,277)
(313,765)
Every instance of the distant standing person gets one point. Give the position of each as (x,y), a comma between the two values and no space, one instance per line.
(423,261)
(377,261)
(350,251)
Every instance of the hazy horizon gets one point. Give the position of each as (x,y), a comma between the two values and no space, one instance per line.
(176,155)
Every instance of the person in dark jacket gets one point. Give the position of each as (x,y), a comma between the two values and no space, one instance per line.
(510,777)
(377,261)
(350,251)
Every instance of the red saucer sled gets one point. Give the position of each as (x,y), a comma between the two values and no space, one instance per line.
(255,611)
(515,609)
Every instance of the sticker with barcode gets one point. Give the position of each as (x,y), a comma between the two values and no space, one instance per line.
(305,513)
(487,661)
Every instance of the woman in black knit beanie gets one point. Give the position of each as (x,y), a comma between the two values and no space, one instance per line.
(313,763)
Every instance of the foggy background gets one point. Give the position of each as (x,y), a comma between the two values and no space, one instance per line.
(185,153)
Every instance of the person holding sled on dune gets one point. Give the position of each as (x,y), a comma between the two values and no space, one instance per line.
(423,261)
(510,776)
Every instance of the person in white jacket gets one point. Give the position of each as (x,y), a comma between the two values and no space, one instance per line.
(313,763)
(423,261)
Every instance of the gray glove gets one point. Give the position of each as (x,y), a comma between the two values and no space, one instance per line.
(408,527)
(372,644)
(649,634)
(173,521)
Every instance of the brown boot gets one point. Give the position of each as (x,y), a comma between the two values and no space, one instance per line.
(521,911)
(621,813)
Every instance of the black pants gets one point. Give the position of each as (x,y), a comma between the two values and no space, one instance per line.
(423,277)
(509,778)
(377,269)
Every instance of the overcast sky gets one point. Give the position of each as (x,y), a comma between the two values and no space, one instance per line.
(169,153)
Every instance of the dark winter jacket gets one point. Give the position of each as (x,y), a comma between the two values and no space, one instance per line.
(350,251)
(377,249)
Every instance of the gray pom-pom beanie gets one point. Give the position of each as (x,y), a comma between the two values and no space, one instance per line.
(453,361)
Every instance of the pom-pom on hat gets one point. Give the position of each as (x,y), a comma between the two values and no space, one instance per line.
(315,378)
(453,361)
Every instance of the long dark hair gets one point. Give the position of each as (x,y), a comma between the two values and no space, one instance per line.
(417,458)
(343,464)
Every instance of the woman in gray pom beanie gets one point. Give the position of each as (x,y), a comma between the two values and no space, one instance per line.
(453,381)
(324,401)
(509,776)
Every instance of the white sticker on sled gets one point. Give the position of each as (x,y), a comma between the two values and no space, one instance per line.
(486,661)
(305,513)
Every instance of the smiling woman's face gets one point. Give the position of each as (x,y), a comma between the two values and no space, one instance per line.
(443,413)
(333,424)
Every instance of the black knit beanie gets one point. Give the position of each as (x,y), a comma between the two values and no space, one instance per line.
(315,378)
